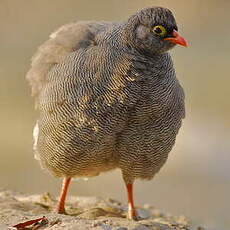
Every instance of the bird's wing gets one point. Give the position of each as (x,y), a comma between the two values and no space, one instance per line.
(62,42)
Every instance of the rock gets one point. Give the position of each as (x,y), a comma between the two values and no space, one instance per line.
(140,227)
(86,213)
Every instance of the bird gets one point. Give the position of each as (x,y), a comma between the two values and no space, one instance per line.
(107,98)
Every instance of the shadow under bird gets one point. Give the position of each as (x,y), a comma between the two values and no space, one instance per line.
(108,97)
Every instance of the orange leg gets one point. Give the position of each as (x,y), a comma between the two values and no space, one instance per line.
(61,202)
(132,213)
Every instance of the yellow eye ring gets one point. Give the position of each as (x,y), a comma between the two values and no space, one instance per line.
(159,30)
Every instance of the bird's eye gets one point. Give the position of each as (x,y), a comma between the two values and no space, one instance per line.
(159,30)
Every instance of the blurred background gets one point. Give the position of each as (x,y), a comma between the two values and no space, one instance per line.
(196,178)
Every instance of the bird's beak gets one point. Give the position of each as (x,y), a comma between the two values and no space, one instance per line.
(177,39)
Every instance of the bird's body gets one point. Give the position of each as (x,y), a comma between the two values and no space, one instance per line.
(103,102)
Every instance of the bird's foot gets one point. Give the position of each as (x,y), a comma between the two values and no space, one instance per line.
(132,214)
(60,210)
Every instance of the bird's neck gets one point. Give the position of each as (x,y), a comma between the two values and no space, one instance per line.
(154,66)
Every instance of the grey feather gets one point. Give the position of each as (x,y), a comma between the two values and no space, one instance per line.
(106,100)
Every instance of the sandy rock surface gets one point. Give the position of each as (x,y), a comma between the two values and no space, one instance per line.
(83,213)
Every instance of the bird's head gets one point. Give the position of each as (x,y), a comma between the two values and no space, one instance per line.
(153,30)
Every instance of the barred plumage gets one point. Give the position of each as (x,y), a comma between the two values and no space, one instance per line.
(105,100)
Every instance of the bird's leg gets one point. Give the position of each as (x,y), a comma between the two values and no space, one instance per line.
(61,202)
(132,213)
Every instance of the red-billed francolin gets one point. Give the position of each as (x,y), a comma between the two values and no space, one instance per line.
(108,97)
